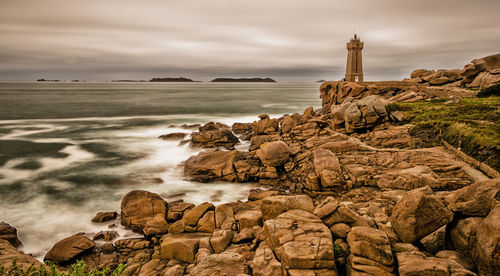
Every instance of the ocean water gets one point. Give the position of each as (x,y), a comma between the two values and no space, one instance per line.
(69,150)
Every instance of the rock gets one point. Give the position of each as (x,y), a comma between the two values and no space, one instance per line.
(173,136)
(417,214)
(212,126)
(211,165)
(176,270)
(266,125)
(9,233)
(370,252)
(181,247)
(258,194)
(264,262)
(8,253)
(409,179)
(274,154)
(177,227)
(257,140)
(273,206)
(457,257)
(192,216)
(300,240)
(106,235)
(309,112)
(462,234)
(340,230)
(104,216)
(435,241)
(419,73)
(249,218)
(239,128)
(440,81)
(69,249)
(225,263)
(224,217)
(417,263)
(288,124)
(327,168)
(476,199)
(176,210)
(487,254)
(207,222)
(326,207)
(214,138)
(220,240)
(144,212)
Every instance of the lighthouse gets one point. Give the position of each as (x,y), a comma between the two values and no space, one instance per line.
(354,68)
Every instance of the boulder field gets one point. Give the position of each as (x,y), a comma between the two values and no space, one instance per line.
(339,191)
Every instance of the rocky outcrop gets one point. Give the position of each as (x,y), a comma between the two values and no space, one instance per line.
(144,212)
(214,136)
(69,249)
(359,114)
(8,253)
(104,216)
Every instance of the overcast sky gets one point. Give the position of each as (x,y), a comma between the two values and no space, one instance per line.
(287,40)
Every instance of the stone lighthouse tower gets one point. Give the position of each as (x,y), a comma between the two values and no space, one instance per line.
(354,68)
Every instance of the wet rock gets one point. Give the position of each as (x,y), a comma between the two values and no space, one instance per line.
(476,199)
(8,253)
(418,214)
(144,212)
(106,235)
(273,206)
(214,138)
(487,254)
(104,216)
(225,263)
(274,153)
(181,247)
(211,165)
(9,233)
(370,252)
(300,240)
(173,136)
(69,249)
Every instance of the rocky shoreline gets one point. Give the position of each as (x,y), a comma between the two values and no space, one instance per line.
(344,190)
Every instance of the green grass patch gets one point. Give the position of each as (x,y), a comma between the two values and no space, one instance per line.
(472,125)
(77,269)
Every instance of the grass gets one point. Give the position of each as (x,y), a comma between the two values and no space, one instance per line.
(473,125)
(77,269)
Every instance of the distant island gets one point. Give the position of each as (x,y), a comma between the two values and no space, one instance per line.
(243,80)
(181,79)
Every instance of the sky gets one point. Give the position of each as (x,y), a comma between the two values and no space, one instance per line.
(288,40)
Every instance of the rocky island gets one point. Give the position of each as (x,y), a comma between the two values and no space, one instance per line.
(366,185)
(243,80)
(180,79)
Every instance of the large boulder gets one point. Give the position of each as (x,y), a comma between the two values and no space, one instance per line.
(225,263)
(144,212)
(212,165)
(214,138)
(193,215)
(8,253)
(476,199)
(69,249)
(181,247)
(300,240)
(9,233)
(360,114)
(488,243)
(274,154)
(370,252)
(273,206)
(418,214)
(462,234)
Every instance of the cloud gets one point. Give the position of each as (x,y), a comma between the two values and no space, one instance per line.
(294,40)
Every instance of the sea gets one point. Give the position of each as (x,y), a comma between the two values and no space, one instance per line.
(71,149)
